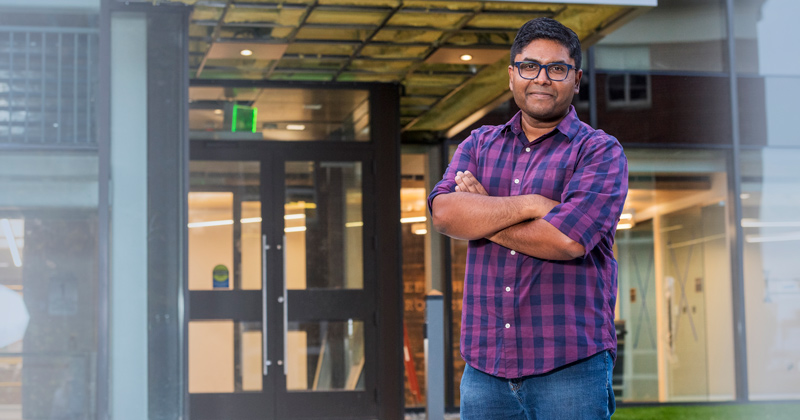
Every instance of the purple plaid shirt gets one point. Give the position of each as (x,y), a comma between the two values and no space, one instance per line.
(523,315)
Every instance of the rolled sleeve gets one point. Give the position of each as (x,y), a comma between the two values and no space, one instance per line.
(463,160)
(593,199)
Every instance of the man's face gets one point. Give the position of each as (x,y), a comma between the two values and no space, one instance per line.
(542,99)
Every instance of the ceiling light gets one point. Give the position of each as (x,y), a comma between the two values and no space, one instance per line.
(791,236)
(246,53)
(466,57)
(211,223)
(218,111)
(314,107)
(413,219)
(419,228)
(623,226)
(295,127)
(626,216)
(755,223)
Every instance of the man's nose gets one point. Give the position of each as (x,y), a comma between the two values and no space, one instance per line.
(541,78)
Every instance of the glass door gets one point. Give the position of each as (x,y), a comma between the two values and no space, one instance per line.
(329,308)
(228,354)
(282,312)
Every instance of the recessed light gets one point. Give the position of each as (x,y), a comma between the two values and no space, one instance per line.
(466,57)
(246,53)
(218,111)
(315,107)
(295,127)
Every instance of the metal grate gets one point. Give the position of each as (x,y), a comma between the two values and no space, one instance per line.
(47,86)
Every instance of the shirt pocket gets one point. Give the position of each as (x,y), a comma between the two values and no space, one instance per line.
(549,182)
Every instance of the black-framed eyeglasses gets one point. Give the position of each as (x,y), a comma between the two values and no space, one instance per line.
(554,71)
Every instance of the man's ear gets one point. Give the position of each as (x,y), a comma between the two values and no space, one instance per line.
(511,78)
(578,75)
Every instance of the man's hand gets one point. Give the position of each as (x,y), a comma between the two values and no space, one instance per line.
(466,182)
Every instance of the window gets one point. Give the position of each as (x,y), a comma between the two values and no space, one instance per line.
(674,306)
(628,90)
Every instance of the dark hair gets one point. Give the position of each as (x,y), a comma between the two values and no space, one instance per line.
(547,28)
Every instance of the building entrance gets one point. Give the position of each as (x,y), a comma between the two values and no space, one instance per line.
(281,282)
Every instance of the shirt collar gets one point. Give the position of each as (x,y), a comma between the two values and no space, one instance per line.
(569,126)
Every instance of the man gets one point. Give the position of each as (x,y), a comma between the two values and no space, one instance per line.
(539,199)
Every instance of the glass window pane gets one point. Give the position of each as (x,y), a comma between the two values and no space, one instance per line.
(769,71)
(210,240)
(413,218)
(217,113)
(458,258)
(616,87)
(48,283)
(674,313)
(458,255)
(771,227)
(667,109)
(224,226)
(323,225)
(251,245)
(676,35)
(325,356)
(225,356)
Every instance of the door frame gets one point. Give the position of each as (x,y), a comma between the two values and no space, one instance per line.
(381,159)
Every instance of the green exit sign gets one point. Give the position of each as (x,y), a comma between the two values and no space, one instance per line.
(243,118)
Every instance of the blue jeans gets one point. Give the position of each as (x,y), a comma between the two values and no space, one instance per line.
(581,390)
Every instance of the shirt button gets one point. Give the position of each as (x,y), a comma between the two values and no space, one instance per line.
(513,252)
(516,181)
(527,149)
(508,289)
(508,325)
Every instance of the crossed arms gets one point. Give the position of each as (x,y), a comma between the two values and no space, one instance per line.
(514,222)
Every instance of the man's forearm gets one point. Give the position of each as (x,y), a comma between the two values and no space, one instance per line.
(464,215)
(538,238)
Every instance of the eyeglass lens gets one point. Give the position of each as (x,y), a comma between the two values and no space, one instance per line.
(555,71)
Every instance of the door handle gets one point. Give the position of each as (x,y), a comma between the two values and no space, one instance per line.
(264,304)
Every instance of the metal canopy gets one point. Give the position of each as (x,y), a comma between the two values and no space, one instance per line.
(418,44)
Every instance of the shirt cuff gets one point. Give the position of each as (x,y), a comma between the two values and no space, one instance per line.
(574,223)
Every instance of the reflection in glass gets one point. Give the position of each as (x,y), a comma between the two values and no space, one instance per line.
(675,36)
(224,226)
(325,356)
(458,252)
(210,240)
(769,82)
(667,108)
(674,305)
(48,261)
(323,225)
(696,281)
(251,245)
(458,258)
(636,369)
(415,244)
(217,113)
(771,226)
(224,356)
